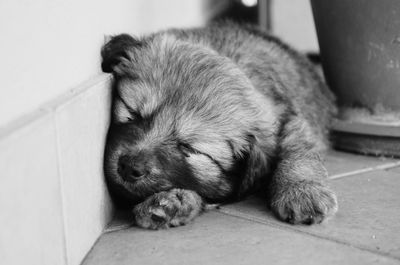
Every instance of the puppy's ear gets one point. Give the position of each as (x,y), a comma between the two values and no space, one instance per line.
(116,53)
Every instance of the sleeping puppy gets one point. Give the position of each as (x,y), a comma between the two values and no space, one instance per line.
(210,115)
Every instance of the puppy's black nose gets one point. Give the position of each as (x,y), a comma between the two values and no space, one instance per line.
(131,169)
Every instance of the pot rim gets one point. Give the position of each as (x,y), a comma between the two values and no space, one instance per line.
(365,128)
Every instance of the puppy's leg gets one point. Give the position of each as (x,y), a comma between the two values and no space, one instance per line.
(168,209)
(298,192)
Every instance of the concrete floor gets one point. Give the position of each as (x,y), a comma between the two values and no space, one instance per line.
(366,229)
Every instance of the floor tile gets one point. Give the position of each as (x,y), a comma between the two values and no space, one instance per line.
(368,216)
(31,221)
(338,163)
(395,170)
(82,123)
(216,238)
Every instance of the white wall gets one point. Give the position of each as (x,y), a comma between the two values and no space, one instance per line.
(293,22)
(50,46)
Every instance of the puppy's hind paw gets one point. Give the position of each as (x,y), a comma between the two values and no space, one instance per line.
(168,209)
(304,202)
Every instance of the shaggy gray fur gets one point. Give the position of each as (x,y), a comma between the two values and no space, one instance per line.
(210,115)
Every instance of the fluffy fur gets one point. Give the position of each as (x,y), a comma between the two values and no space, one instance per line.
(210,115)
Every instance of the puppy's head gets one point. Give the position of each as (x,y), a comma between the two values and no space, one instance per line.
(183,116)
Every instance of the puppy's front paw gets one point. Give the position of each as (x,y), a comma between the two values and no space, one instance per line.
(168,209)
(304,202)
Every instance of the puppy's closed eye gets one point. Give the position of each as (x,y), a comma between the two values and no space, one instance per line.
(187,149)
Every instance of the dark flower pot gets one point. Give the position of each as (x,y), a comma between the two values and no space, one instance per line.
(360,51)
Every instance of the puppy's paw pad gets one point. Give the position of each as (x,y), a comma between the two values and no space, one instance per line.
(168,209)
(304,202)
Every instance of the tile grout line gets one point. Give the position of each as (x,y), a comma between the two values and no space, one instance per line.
(54,107)
(47,107)
(244,216)
(75,93)
(62,193)
(365,170)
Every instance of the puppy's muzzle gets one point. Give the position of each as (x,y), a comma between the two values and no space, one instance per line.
(132,168)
